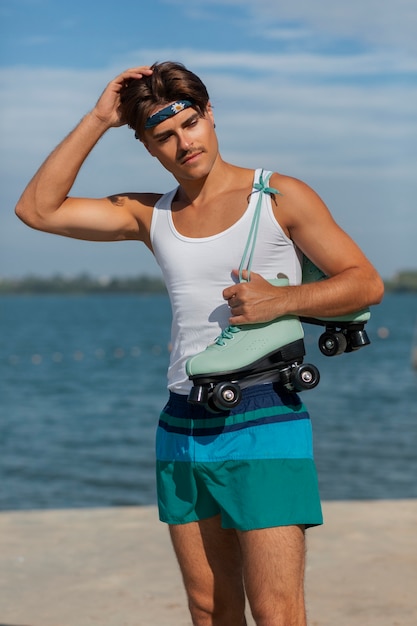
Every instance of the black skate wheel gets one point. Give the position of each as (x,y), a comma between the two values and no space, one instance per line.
(305,376)
(332,344)
(226,395)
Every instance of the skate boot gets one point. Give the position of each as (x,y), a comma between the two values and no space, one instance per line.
(243,354)
(345,333)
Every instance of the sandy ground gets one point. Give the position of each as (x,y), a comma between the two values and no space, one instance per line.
(115,567)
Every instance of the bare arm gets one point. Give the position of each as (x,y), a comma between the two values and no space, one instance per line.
(45,204)
(353,282)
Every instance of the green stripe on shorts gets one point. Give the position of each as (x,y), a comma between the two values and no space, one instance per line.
(248,494)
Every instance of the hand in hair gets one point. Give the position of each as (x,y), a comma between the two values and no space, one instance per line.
(107,108)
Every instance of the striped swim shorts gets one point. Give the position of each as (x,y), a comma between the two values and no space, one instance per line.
(252,464)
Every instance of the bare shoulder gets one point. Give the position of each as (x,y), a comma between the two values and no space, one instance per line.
(139,205)
(297,201)
(134,202)
(292,187)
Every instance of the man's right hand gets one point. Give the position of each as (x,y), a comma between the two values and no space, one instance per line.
(107,109)
(46,203)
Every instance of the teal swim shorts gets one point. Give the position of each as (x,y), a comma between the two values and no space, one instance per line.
(252,464)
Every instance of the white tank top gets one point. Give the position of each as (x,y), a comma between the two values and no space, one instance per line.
(196,271)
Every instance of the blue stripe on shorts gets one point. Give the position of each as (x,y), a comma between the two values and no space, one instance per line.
(267,424)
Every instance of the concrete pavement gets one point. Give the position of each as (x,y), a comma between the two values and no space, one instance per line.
(115,567)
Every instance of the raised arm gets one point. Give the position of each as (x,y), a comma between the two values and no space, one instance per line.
(45,204)
(353,282)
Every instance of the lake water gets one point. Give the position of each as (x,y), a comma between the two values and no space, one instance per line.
(82,381)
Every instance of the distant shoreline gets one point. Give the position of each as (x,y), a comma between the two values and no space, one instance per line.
(81,285)
(84,284)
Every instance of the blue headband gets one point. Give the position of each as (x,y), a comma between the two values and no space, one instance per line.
(167,112)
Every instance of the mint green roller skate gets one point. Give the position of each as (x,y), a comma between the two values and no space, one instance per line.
(244,354)
(342,334)
(241,355)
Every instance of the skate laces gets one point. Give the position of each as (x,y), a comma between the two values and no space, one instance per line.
(226,334)
(262,188)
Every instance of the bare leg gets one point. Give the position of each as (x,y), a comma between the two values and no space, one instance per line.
(273,562)
(210,562)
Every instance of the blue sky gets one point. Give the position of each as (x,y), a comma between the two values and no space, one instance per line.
(325,91)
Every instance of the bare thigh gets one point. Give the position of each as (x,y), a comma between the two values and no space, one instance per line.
(273,563)
(210,562)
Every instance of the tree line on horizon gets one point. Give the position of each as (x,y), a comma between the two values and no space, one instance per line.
(403,282)
(81,284)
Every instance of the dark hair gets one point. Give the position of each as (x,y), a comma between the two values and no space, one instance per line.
(168,82)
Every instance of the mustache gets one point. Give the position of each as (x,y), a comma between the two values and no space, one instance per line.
(188,153)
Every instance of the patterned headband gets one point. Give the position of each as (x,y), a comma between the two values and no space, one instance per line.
(167,112)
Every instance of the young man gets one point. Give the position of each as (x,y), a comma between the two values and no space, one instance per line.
(237,488)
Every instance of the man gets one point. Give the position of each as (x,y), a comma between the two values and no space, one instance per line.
(237,488)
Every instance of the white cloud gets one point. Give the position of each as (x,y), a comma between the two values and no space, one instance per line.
(377,22)
(310,101)
(339,123)
(381,23)
(294,65)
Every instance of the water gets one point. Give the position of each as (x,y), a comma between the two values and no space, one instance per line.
(82,381)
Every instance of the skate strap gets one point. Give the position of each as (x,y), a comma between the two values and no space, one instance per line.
(260,187)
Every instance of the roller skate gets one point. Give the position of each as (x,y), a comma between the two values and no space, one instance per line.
(240,355)
(345,333)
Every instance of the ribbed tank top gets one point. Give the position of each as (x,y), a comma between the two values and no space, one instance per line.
(197,270)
